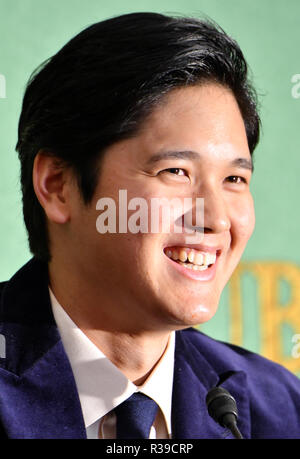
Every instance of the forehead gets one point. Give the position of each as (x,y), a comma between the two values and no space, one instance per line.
(203,119)
(207,114)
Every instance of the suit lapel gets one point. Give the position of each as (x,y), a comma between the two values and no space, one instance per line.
(38,393)
(194,376)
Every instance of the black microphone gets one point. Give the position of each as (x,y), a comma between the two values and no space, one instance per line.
(222,408)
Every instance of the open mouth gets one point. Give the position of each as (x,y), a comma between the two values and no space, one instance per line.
(193,259)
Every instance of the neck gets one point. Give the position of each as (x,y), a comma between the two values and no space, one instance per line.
(136,355)
(134,349)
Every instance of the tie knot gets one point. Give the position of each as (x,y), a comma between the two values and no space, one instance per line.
(135,416)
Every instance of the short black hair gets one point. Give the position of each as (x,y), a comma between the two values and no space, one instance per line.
(102,84)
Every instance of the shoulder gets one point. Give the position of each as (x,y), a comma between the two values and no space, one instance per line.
(225,356)
(273,391)
(2,286)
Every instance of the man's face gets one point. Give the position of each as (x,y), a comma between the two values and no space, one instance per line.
(139,277)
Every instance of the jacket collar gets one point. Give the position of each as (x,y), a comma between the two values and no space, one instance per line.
(194,376)
(37,386)
(39,394)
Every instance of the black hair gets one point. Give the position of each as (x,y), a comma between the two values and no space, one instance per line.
(103,83)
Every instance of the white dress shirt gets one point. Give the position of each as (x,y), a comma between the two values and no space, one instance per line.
(102,386)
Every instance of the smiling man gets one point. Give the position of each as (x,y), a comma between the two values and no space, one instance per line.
(99,325)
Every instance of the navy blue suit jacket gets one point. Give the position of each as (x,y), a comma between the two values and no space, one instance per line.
(39,399)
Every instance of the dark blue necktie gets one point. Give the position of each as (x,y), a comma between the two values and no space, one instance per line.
(135,416)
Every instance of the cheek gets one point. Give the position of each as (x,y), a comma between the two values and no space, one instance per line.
(243,220)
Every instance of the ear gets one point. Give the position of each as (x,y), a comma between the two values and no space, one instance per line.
(51,185)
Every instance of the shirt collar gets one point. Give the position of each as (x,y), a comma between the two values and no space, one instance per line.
(159,384)
(101,385)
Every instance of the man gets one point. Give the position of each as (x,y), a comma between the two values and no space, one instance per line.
(159,108)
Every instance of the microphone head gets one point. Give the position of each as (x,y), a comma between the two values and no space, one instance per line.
(219,403)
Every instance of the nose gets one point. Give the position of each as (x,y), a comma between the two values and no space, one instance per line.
(216,215)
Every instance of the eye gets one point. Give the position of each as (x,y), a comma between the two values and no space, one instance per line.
(236,179)
(175,171)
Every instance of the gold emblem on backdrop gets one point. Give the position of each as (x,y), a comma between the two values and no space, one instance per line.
(273,313)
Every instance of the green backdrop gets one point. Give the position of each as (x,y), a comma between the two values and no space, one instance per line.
(260,309)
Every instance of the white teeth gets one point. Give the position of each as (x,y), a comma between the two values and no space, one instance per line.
(183,255)
(191,258)
(213,258)
(199,259)
(193,267)
(210,258)
(202,268)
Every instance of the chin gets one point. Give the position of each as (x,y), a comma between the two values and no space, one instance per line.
(203,313)
(193,315)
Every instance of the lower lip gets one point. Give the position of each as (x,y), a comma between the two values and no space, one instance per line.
(203,276)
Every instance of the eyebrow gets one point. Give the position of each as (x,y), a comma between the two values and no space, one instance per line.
(243,163)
